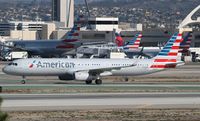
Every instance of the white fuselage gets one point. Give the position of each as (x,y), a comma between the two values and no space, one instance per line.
(56,67)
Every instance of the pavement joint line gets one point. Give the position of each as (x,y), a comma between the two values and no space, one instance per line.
(77,94)
(107,85)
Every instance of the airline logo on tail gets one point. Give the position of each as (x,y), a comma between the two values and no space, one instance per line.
(71,37)
(167,58)
(135,43)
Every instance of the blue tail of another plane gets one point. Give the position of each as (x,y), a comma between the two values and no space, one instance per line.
(134,43)
(72,37)
(186,43)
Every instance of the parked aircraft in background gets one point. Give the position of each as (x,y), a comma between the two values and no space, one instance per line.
(153,51)
(132,49)
(132,44)
(93,69)
(47,48)
(119,40)
(104,50)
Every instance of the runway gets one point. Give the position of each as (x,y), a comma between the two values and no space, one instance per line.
(81,101)
(176,88)
(104,88)
(187,73)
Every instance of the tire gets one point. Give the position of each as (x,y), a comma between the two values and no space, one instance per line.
(88,82)
(23,82)
(98,81)
(126,79)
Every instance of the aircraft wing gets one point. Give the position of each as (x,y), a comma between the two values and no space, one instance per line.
(16,48)
(13,47)
(96,71)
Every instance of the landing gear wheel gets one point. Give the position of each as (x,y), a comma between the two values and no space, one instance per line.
(88,82)
(126,79)
(23,82)
(98,81)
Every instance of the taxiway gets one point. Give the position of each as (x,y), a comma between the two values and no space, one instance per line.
(49,102)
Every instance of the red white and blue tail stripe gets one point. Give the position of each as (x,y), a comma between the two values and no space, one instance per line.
(72,37)
(167,57)
(135,43)
(186,43)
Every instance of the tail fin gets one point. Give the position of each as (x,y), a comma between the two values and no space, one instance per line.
(185,45)
(73,34)
(167,57)
(72,37)
(119,41)
(134,43)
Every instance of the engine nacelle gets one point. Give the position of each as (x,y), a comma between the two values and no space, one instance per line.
(83,76)
(67,77)
(79,76)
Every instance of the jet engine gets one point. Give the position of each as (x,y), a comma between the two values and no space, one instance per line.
(67,77)
(80,76)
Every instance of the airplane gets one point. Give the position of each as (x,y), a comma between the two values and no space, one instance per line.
(103,50)
(132,48)
(119,40)
(132,44)
(46,48)
(94,69)
(185,45)
(153,51)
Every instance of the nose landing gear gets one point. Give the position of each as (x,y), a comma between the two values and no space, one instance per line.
(23,81)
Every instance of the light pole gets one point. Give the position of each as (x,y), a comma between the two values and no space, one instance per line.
(87,7)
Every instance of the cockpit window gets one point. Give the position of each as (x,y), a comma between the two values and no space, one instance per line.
(14,64)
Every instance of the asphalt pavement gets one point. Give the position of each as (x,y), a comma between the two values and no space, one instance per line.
(49,102)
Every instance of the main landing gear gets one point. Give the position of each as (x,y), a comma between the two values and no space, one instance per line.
(88,82)
(126,79)
(23,81)
(97,81)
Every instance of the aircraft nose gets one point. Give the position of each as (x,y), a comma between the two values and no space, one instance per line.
(5,69)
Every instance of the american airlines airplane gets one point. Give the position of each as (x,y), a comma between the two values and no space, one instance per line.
(47,48)
(153,51)
(132,44)
(93,69)
(132,48)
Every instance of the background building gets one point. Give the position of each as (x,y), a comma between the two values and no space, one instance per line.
(104,23)
(63,11)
